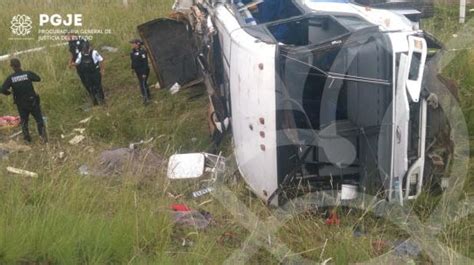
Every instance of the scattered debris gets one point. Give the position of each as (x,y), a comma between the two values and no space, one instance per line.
(77,139)
(455,35)
(433,100)
(407,248)
(186,243)
(205,202)
(7,56)
(180,208)
(13,146)
(9,121)
(184,215)
(194,165)
(186,166)
(61,156)
(15,134)
(10,147)
(86,120)
(4,154)
(109,49)
(175,88)
(444,183)
(349,192)
(436,159)
(157,85)
(326,261)
(80,130)
(135,145)
(89,149)
(333,219)
(142,162)
(197,219)
(84,170)
(22,172)
(202,192)
(171,195)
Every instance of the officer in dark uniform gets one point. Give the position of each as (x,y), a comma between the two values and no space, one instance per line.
(140,67)
(25,98)
(76,44)
(91,64)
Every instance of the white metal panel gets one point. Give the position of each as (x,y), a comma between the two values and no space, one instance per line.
(462,11)
(399,42)
(418,45)
(226,23)
(387,20)
(252,86)
(185,166)
(401,120)
(416,171)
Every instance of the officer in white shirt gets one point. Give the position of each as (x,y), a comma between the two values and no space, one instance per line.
(76,45)
(91,64)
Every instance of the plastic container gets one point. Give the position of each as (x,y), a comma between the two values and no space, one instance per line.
(349,192)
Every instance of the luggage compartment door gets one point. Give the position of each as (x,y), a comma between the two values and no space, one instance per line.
(172,50)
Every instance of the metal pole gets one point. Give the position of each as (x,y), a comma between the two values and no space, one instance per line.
(462,11)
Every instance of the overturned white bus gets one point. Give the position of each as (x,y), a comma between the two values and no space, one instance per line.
(319,93)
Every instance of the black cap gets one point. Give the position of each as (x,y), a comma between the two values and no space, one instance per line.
(136,41)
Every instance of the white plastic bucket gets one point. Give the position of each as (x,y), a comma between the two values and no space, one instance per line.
(348,192)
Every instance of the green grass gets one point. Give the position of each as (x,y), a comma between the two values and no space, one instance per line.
(65,218)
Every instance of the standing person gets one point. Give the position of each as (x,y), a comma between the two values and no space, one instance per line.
(25,98)
(91,64)
(76,44)
(139,60)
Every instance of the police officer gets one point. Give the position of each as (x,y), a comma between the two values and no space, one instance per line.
(76,44)
(91,64)
(25,98)
(139,59)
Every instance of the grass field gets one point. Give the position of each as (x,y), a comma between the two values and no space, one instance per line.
(65,218)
